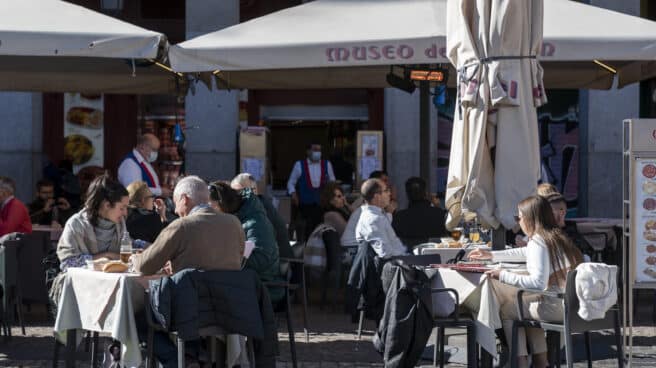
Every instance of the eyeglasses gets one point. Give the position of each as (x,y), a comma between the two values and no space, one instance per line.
(517,218)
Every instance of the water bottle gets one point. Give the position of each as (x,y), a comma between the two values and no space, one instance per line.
(126,247)
(138,244)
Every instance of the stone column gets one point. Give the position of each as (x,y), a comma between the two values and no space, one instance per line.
(21,118)
(600,184)
(402,140)
(211,115)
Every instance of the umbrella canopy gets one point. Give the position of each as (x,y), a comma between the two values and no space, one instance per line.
(57,46)
(494,45)
(284,49)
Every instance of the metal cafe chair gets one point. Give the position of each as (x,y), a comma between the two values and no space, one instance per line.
(571,324)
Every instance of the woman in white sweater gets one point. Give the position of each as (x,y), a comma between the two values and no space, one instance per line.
(549,255)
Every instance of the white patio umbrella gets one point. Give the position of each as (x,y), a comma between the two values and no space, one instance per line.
(494,46)
(58,46)
(351,43)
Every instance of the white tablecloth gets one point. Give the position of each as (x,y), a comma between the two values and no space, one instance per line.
(475,293)
(102,302)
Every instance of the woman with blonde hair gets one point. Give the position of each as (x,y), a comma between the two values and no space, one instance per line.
(146,215)
(549,255)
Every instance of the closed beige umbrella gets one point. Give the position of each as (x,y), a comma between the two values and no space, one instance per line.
(495,159)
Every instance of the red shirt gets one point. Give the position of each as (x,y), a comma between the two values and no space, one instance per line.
(14,217)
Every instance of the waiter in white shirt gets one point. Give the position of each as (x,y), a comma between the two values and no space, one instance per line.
(305,183)
(136,165)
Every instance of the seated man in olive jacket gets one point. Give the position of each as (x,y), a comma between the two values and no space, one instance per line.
(422,219)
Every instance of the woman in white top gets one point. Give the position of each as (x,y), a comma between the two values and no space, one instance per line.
(549,255)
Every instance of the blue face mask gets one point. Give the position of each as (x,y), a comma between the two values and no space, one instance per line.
(315,156)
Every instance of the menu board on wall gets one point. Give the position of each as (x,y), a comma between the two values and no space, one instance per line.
(370,153)
(644,215)
(83,130)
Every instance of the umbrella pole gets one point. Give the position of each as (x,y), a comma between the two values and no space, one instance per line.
(424,131)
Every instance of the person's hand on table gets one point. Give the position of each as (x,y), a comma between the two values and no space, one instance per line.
(480,255)
(494,273)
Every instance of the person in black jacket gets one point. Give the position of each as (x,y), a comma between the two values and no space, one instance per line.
(142,222)
(407,319)
(422,219)
(559,209)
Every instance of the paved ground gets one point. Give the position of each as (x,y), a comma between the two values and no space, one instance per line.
(333,343)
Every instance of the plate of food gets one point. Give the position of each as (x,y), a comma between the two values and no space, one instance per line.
(649,187)
(86,117)
(78,148)
(649,171)
(649,235)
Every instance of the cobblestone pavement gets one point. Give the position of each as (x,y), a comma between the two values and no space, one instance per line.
(332,343)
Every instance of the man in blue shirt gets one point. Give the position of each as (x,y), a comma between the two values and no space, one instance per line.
(374,225)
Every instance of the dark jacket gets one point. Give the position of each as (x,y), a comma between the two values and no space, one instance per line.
(264,260)
(234,300)
(419,222)
(143,224)
(39,216)
(279,228)
(407,321)
(365,290)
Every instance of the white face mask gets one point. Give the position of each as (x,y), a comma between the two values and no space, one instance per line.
(152,157)
(315,156)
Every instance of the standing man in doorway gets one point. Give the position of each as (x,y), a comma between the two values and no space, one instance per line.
(136,166)
(305,182)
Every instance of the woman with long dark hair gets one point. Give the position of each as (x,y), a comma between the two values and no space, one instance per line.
(335,209)
(549,255)
(96,230)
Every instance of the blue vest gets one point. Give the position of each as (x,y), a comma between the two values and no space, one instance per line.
(306,193)
(144,174)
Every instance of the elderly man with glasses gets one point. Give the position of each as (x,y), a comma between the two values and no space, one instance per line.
(374,226)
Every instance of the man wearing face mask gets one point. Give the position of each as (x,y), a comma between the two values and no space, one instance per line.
(305,183)
(136,166)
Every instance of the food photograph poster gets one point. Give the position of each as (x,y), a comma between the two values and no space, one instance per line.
(83,130)
(645,220)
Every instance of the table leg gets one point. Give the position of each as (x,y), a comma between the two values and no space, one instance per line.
(486,359)
(71,345)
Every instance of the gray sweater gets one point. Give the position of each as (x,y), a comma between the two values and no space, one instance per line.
(79,238)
